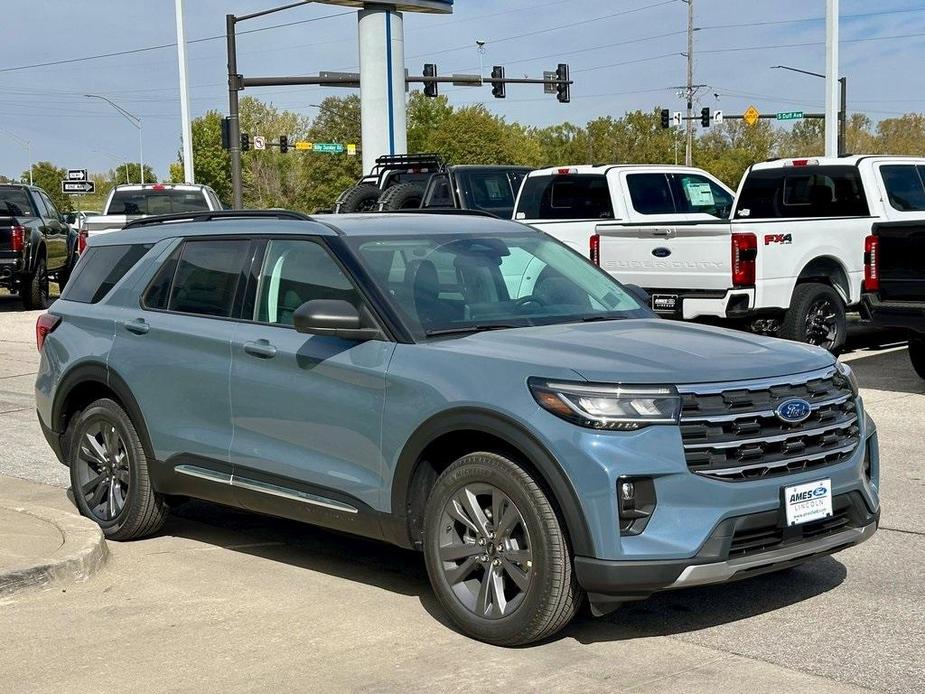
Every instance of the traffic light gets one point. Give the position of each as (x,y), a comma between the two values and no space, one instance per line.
(498,89)
(430,88)
(666,118)
(563,88)
(226,133)
(245,142)
(283,144)
(705,116)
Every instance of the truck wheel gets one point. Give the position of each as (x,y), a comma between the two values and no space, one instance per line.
(35,288)
(496,553)
(404,196)
(817,316)
(917,355)
(359,198)
(109,474)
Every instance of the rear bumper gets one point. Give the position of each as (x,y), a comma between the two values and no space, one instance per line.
(894,314)
(610,583)
(53,438)
(721,303)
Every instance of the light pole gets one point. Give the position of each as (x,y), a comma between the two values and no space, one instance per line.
(843,109)
(185,123)
(134,120)
(25,144)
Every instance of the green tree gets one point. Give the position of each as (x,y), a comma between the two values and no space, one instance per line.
(211,162)
(727,150)
(902,135)
(322,177)
(129,171)
(48,177)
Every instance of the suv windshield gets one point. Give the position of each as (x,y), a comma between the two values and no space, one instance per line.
(157,201)
(448,284)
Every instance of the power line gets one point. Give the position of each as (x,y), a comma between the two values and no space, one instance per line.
(803,20)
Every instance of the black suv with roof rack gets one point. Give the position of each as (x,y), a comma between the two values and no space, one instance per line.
(425,181)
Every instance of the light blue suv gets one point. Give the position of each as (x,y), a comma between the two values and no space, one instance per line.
(460,385)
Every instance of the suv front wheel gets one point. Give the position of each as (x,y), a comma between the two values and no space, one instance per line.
(109,474)
(497,556)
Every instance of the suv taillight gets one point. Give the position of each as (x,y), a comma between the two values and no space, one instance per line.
(44,326)
(872,264)
(744,254)
(82,241)
(594,249)
(17,238)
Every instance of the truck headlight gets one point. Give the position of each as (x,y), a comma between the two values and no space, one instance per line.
(608,406)
(848,373)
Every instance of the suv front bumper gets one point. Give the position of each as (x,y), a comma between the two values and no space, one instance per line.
(726,555)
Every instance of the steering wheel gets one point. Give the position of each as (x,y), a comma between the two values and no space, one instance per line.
(527,300)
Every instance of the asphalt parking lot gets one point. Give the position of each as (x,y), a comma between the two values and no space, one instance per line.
(226,601)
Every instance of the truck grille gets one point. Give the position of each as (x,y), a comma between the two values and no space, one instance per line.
(732,433)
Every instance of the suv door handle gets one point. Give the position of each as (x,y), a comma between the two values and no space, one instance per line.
(261,348)
(139,326)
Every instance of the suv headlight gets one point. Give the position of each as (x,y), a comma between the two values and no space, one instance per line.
(608,406)
(849,375)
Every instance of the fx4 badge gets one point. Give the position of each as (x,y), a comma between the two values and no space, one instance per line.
(777,238)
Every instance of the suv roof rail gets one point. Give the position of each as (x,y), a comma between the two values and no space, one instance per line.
(216,214)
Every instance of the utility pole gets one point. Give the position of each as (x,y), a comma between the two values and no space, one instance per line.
(831,79)
(688,153)
(186,125)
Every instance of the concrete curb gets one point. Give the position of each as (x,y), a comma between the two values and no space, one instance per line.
(82,553)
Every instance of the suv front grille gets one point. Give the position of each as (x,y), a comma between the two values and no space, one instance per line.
(732,432)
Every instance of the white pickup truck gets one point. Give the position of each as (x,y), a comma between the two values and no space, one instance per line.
(129,202)
(788,262)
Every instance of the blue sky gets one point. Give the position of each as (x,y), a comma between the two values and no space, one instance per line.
(624,55)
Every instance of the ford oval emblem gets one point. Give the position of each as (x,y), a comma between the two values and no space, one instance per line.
(793,411)
(661,252)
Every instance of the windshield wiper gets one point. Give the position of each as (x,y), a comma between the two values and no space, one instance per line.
(472,329)
(595,319)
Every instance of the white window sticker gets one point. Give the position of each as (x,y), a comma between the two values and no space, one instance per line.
(699,193)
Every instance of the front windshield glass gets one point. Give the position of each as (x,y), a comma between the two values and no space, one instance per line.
(446,284)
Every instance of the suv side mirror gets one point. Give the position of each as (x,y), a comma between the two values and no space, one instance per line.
(334,318)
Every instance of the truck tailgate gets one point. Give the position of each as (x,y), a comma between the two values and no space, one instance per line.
(668,256)
(901,261)
(102,224)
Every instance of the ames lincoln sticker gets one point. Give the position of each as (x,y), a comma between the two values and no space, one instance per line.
(439,6)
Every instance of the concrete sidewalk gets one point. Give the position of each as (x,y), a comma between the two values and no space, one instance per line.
(43,540)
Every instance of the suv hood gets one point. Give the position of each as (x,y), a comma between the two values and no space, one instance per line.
(645,351)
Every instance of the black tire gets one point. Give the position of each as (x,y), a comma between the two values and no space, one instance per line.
(359,198)
(817,316)
(35,288)
(109,478)
(917,355)
(551,595)
(404,196)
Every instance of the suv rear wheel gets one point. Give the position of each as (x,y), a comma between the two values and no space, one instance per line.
(109,474)
(496,553)
(817,316)
(917,355)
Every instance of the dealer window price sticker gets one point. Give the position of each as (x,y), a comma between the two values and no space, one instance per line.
(805,503)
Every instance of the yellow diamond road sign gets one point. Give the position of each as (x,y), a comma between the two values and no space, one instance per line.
(751,115)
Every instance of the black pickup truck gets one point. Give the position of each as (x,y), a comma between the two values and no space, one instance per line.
(35,244)
(894,283)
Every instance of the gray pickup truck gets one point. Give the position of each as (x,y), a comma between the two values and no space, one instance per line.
(35,244)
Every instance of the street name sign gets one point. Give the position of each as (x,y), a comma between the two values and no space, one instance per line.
(78,187)
(328,147)
(751,115)
(77,175)
(790,115)
(303,146)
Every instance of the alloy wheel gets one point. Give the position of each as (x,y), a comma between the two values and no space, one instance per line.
(485,551)
(103,469)
(822,324)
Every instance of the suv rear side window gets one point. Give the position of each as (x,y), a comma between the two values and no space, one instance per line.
(904,186)
(205,279)
(808,191)
(573,196)
(99,269)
